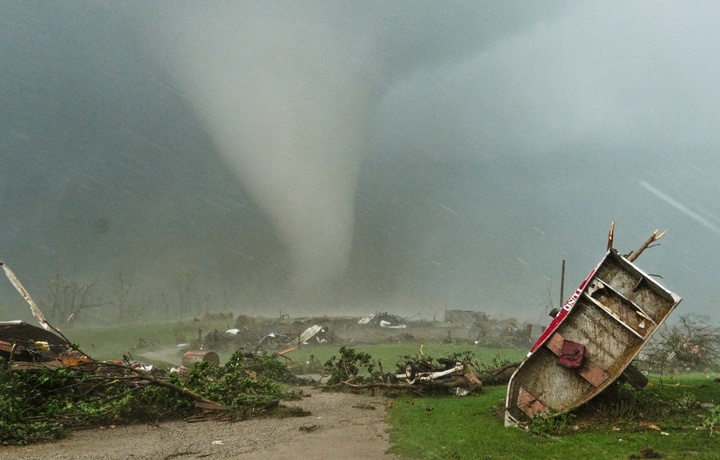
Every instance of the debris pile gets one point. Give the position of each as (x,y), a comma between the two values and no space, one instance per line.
(47,403)
(31,347)
(49,386)
(421,374)
(384,320)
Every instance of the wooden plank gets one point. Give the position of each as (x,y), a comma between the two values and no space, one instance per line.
(34,366)
(529,403)
(7,346)
(641,311)
(589,370)
(614,316)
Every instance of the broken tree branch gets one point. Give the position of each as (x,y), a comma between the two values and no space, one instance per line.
(33,307)
(206,403)
(500,370)
(647,244)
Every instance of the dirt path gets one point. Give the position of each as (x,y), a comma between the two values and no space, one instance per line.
(341,426)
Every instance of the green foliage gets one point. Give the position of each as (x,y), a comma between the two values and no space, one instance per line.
(46,404)
(17,399)
(622,404)
(389,353)
(423,359)
(348,366)
(551,424)
(712,421)
(684,402)
(496,362)
(264,364)
(245,382)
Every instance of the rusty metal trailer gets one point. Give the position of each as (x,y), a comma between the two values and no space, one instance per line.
(590,342)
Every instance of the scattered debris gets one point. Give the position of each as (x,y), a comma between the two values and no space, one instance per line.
(311,332)
(449,372)
(461,391)
(466,317)
(425,372)
(192,357)
(384,320)
(31,347)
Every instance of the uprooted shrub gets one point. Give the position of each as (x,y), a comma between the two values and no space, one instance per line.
(48,403)
(691,344)
(348,366)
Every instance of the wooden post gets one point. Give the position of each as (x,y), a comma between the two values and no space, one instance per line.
(562,284)
(611,235)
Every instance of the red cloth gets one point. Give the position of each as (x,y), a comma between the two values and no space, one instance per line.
(572,354)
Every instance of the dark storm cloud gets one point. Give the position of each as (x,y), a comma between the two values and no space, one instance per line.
(399,155)
(573,117)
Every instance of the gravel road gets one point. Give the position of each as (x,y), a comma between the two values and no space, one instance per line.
(340,426)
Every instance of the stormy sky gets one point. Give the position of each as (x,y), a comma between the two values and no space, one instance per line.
(353,157)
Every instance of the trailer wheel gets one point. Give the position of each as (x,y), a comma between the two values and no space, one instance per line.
(389,377)
(411,372)
(447,363)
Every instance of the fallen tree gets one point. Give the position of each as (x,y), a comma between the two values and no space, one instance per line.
(46,403)
(48,386)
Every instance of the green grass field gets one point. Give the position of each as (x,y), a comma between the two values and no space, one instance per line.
(472,428)
(144,340)
(108,343)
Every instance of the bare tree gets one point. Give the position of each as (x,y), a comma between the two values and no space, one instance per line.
(166,303)
(187,291)
(122,295)
(69,298)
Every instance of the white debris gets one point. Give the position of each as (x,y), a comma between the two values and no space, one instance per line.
(366,319)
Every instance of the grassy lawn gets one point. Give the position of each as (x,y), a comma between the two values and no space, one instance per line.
(472,428)
(109,343)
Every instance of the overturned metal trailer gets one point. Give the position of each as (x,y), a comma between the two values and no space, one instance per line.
(591,341)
